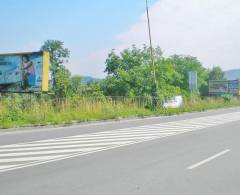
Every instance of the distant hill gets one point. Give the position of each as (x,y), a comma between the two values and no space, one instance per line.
(232,74)
(87,79)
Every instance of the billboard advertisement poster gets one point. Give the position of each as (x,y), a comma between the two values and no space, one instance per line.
(24,72)
(224,87)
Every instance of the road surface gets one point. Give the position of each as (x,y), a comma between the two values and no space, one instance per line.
(188,154)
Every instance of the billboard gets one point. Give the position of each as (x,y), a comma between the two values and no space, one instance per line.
(193,81)
(224,87)
(24,72)
(234,87)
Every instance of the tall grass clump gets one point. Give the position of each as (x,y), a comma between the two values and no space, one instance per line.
(28,110)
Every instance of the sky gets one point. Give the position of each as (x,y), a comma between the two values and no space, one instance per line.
(206,29)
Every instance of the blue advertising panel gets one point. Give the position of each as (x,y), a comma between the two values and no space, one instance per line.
(21,72)
(224,87)
(234,87)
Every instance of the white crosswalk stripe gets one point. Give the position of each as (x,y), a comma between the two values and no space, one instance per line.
(30,159)
(28,154)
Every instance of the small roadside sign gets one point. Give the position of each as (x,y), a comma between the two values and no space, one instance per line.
(193,81)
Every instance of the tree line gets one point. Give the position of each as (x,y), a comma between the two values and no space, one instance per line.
(129,73)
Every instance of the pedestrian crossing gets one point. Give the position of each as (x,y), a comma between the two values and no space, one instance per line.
(34,153)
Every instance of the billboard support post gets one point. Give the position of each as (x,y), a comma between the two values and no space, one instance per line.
(45,71)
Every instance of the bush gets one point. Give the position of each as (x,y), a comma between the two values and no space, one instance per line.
(227,97)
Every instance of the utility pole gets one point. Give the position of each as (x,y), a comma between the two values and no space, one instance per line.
(155,87)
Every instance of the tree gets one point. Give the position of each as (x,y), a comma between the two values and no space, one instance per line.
(76,84)
(63,83)
(93,89)
(216,74)
(58,57)
(185,64)
(130,73)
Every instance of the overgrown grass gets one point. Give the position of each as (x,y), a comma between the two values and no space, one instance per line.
(28,111)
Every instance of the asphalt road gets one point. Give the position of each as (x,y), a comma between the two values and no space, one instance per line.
(189,154)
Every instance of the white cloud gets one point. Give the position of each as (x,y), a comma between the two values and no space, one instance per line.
(91,65)
(207,29)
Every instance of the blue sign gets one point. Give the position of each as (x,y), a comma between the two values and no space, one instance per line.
(193,81)
(224,87)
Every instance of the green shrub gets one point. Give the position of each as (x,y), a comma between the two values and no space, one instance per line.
(227,97)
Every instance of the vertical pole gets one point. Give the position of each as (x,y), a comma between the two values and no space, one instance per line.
(155,87)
